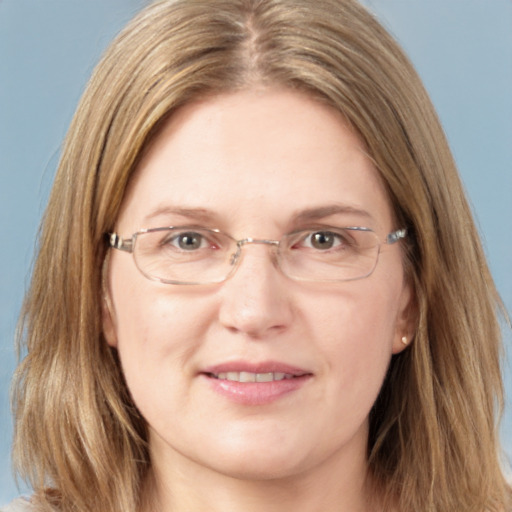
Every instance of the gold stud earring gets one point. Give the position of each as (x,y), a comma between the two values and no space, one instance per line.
(404,340)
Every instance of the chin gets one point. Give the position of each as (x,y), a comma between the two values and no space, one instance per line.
(265,468)
(267,458)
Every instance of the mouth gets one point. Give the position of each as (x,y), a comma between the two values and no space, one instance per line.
(252,377)
(244,371)
(255,384)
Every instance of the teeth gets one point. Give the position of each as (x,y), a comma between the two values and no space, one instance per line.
(264,377)
(252,377)
(247,377)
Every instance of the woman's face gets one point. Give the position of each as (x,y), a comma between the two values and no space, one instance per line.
(256,164)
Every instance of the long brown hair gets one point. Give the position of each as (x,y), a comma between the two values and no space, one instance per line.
(433,442)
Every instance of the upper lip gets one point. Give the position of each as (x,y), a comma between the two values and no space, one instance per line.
(252,367)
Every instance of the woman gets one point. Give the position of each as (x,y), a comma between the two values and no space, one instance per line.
(251,290)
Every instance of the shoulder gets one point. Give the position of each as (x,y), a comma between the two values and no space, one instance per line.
(18,505)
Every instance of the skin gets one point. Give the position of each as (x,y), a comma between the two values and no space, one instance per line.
(255,159)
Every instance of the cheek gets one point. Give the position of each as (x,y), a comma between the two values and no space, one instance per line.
(157,334)
(147,315)
(361,316)
(156,326)
(153,352)
(356,331)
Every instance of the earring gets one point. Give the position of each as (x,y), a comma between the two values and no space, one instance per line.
(404,340)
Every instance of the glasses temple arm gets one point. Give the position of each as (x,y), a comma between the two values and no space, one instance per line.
(117,242)
(395,236)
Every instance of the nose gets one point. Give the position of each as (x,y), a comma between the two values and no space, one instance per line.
(256,299)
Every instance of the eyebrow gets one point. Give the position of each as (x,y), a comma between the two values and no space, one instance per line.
(321,212)
(198,214)
(300,216)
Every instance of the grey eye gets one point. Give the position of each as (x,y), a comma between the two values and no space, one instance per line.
(189,241)
(323,240)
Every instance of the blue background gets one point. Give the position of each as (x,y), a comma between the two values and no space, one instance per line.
(48,48)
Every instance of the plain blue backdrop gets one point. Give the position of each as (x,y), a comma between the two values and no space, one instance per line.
(48,48)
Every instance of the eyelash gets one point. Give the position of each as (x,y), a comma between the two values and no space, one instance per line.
(339,236)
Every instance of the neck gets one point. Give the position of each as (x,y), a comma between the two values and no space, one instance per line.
(183,485)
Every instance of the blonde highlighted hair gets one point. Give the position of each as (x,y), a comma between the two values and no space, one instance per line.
(433,442)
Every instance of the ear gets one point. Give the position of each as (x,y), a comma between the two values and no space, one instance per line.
(107,309)
(406,321)
(109,329)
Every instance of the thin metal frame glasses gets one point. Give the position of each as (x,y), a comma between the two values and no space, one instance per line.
(196,255)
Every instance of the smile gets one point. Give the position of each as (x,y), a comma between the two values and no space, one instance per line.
(255,384)
(252,377)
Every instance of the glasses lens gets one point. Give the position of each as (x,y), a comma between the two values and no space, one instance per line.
(330,254)
(191,255)
(185,255)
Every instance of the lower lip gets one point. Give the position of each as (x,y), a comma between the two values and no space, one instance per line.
(256,393)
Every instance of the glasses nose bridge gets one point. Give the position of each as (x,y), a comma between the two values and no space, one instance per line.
(235,257)
(264,241)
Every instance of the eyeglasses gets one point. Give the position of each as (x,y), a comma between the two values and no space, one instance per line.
(196,255)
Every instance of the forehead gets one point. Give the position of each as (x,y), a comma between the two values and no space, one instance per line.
(252,156)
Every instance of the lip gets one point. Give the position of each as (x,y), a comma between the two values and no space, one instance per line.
(251,367)
(255,393)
